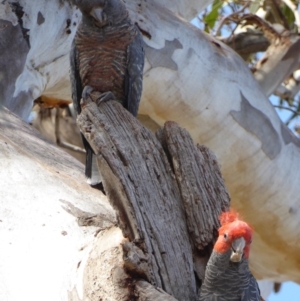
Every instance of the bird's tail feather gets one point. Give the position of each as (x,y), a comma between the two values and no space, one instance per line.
(93,177)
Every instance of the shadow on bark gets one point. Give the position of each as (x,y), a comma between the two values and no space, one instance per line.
(168,194)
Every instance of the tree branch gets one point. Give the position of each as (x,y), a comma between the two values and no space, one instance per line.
(287,108)
(230,17)
(246,43)
(165,208)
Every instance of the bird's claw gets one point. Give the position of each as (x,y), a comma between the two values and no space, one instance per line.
(106,96)
(87,98)
(87,91)
(86,95)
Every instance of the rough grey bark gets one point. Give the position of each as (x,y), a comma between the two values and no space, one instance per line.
(146,292)
(202,205)
(13,52)
(167,202)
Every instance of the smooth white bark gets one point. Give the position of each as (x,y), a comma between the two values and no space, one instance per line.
(187,9)
(44,252)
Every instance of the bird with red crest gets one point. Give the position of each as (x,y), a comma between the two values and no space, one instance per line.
(227,275)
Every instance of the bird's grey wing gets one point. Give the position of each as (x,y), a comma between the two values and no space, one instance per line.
(253,291)
(76,84)
(134,74)
(91,170)
(212,297)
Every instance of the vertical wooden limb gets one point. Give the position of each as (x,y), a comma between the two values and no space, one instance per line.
(203,192)
(167,192)
(146,292)
(141,186)
(202,188)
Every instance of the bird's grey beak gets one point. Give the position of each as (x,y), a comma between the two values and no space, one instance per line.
(237,248)
(97,13)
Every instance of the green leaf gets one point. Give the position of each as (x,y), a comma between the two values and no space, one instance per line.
(289,15)
(212,17)
(281,101)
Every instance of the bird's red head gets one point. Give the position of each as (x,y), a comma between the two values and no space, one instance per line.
(234,234)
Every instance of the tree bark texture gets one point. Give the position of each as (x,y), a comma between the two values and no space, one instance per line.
(186,9)
(59,239)
(195,80)
(50,218)
(167,192)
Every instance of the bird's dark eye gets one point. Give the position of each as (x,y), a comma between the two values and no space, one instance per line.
(225,236)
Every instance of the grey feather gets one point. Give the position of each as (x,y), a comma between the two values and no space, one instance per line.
(134,75)
(228,281)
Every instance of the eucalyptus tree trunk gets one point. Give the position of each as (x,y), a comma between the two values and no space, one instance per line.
(190,78)
(62,240)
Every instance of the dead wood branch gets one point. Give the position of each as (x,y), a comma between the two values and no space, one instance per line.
(167,192)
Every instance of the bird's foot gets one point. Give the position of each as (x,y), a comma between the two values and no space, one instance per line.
(106,96)
(87,91)
(86,95)
(96,97)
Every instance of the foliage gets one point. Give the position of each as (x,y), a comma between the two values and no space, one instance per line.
(225,20)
